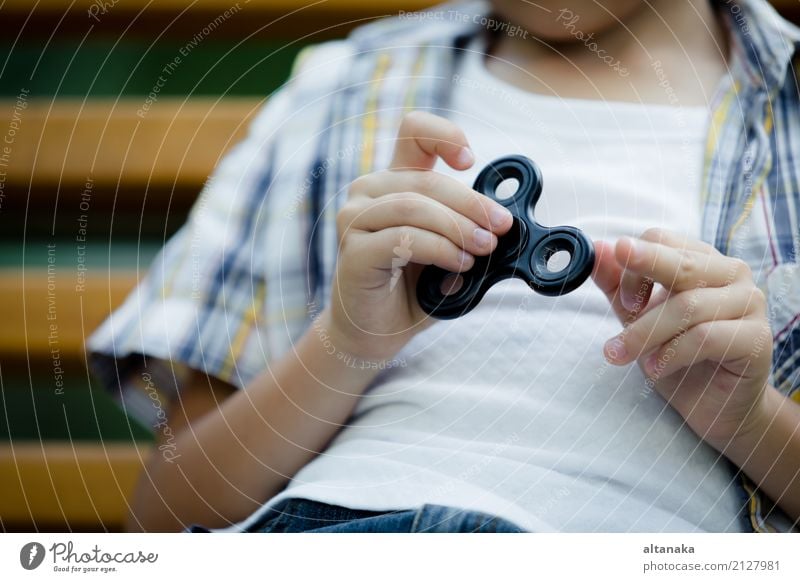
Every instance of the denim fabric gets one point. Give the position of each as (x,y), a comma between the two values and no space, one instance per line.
(303,515)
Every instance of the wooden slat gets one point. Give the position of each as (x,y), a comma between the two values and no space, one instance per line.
(30,305)
(179,19)
(175,141)
(265,7)
(216,6)
(266,18)
(74,484)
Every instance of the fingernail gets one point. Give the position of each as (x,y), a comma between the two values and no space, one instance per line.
(499,216)
(465,157)
(483,238)
(615,349)
(650,364)
(635,246)
(629,302)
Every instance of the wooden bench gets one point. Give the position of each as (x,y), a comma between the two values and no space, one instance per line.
(63,485)
(48,312)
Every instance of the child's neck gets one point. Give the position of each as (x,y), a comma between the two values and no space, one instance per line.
(681,42)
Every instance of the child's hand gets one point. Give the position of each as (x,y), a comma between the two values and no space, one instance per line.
(397,220)
(703,339)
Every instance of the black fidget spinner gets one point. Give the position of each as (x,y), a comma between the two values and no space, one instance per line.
(523,252)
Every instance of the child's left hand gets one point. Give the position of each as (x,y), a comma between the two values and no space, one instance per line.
(703,338)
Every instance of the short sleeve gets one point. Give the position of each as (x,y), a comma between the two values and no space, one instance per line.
(201,305)
(783,295)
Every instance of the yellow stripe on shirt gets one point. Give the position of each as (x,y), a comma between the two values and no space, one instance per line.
(370,123)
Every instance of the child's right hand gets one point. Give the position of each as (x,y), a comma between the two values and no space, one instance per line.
(394,222)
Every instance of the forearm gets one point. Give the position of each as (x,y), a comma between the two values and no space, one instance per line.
(239,455)
(769,453)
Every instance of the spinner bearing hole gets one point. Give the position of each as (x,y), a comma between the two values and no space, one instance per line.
(558,261)
(451,284)
(507,189)
(553,258)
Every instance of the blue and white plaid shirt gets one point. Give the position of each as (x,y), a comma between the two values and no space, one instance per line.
(239,282)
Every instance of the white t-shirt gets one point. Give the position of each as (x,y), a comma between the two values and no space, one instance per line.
(512,410)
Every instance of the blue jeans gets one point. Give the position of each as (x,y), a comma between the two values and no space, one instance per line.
(303,515)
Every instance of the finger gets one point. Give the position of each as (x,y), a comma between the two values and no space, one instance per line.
(636,288)
(735,341)
(391,248)
(657,297)
(424,137)
(635,291)
(679,313)
(444,189)
(677,241)
(413,209)
(606,275)
(679,269)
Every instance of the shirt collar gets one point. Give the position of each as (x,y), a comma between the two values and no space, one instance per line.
(763,41)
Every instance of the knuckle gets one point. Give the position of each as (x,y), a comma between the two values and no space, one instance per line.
(757,299)
(344,218)
(740,269)
(653,234)
(475,207)
(427,182)
(412,122)
(688,270)
(360,186)
(405,206)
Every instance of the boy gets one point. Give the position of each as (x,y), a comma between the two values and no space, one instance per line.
(308,391)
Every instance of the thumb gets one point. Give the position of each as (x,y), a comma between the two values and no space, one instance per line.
(607,274)
(423,137)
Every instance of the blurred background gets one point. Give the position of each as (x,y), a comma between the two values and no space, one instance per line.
(112,114)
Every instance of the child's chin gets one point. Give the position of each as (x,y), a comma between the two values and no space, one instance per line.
(558,21)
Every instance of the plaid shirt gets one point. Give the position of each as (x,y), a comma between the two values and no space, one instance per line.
(241,280)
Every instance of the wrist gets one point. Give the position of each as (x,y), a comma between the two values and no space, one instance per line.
(754,426)
(336,343)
